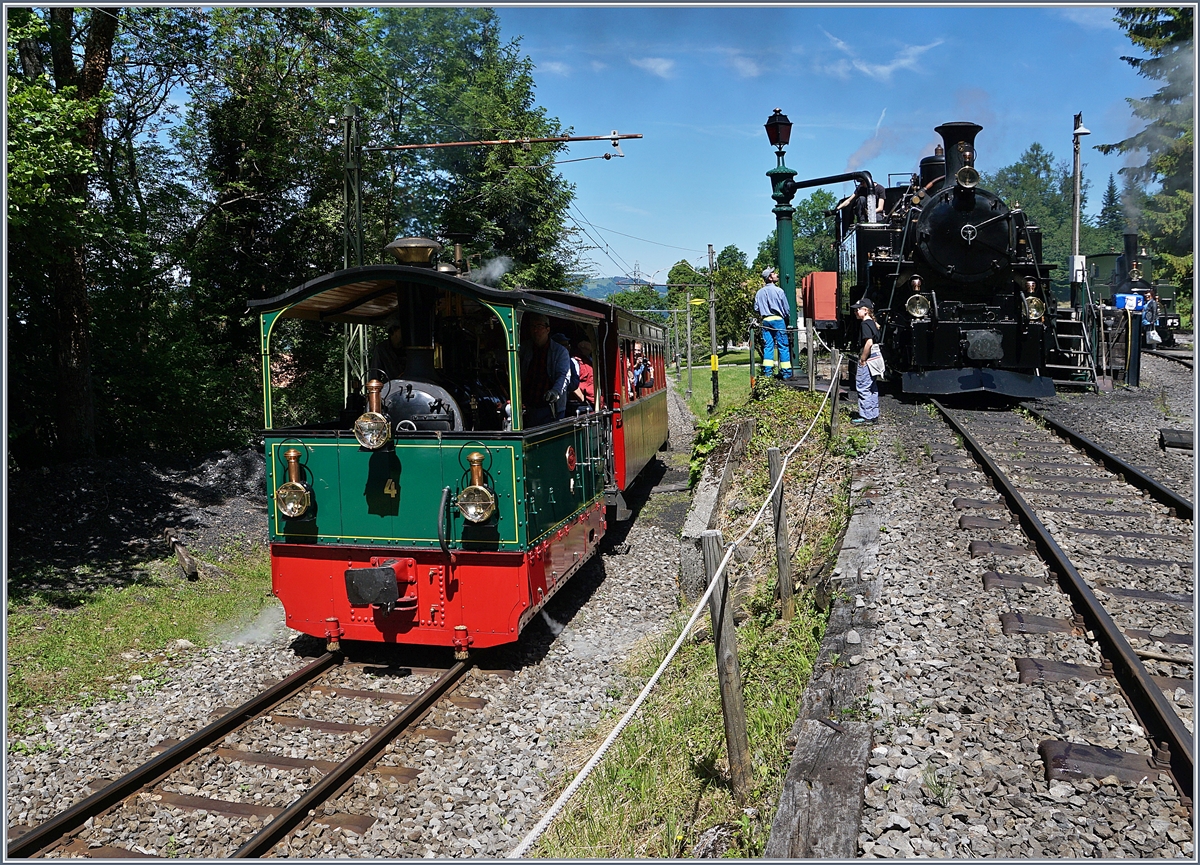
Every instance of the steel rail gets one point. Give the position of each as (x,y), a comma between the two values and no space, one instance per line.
(333,783)
(44,834)
(1133,476)
(1158,717)
(1168,355)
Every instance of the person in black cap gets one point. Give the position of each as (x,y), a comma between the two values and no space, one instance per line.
(771,305)
(868,349)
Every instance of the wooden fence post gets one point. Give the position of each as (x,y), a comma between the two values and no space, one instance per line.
(783,556)
(728,673)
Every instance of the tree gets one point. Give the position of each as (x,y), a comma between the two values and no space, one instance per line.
(639,299)
(812,237)
(685,284)
(507,199)
(138,229)
(1168,139)
(50,198)
(1111,220)
(734,295)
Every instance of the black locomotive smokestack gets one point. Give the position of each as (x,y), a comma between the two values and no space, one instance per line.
(959,138)
(1131,246)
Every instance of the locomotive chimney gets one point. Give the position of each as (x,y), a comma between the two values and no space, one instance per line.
(1131,247)
(959,138)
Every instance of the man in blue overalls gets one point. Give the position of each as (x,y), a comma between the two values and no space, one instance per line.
(770,305)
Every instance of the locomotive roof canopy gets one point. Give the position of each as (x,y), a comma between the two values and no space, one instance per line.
(367,295)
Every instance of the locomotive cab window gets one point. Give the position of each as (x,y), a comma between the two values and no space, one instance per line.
(425,357)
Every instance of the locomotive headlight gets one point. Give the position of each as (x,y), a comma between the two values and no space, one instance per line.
(293,499)
(918,306)
(476,503)
(372,430)
(1035,308)
(967,177)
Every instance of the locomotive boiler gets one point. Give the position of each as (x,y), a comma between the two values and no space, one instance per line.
(957,278)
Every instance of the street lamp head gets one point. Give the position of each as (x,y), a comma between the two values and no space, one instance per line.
(779,129)
(1080,129)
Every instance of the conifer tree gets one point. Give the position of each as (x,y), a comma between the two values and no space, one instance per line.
(1168,139)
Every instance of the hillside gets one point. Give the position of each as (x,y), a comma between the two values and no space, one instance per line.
(602,287)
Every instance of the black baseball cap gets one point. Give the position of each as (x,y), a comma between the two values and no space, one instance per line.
(863,302)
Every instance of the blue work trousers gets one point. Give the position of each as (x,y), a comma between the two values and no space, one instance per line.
(775,342)
(868,393)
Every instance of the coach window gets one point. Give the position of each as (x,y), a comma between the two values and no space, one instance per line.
(626,364)
(568,333)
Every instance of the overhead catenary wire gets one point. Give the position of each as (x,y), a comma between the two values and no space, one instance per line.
(642,239)
(530,839)
(602,246)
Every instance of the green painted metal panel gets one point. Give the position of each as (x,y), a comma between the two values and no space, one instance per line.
(551,498)
(391,497)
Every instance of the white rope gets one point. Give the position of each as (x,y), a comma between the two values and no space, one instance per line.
(521,849)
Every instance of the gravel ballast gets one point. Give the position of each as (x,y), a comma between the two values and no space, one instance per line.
(954,769)
(478,790)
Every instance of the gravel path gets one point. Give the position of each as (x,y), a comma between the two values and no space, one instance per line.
(475,795)
(954,769)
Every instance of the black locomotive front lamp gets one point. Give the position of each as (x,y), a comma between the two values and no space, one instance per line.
(783,187)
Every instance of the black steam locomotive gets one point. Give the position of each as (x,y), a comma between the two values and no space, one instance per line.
(956,275)
(1129,273)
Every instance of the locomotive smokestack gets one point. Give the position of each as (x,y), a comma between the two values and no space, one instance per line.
(959,138)
(1130,237)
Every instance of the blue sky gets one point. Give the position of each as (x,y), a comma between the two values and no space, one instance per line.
(864,86)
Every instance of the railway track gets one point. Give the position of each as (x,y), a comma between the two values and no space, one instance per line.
(1185,359)
(1118,544)
(302,785)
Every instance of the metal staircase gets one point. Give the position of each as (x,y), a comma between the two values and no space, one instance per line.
(1074,346)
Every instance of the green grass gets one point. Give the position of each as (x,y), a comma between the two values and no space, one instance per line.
(733,382)
(58,655)
(735,355)
(666,778)
(700,358)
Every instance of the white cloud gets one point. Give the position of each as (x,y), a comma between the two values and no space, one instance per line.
(906,58)
(1089,17)
(660,66)
(554,67)
(840,69)
(745,67)
(599,66)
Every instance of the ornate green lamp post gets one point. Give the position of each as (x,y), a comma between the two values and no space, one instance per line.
(779,133)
